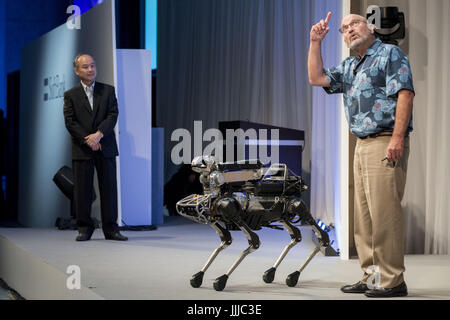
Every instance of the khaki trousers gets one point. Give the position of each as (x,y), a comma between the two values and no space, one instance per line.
(378,219)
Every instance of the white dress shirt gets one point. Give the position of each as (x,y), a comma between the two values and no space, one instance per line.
(89,93)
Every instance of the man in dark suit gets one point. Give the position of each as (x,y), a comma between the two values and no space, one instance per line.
(90,115)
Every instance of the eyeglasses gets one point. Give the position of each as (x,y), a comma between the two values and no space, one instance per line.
(345,28)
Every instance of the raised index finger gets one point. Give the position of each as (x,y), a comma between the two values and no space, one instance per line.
(328,18)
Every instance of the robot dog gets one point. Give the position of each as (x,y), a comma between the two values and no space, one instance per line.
(240,196)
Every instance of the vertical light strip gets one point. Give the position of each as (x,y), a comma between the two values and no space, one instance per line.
(116,128)
(151,14)
(3,76)
(344,162)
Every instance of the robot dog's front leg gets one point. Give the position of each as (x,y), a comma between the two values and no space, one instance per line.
(254,243)
(230,209)
(298,207)
(296,237)
(225,236)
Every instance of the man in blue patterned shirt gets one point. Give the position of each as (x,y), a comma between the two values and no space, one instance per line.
(378,100)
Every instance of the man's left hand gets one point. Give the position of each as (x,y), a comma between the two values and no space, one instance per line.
(395,148)
(93,139)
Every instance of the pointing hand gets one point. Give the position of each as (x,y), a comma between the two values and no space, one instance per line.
(320,30)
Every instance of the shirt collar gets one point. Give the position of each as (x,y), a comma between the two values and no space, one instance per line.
(373,47)
(85,86)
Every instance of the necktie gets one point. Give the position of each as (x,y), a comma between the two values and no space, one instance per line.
(90,96)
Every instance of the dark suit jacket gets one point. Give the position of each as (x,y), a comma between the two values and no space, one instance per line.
(81,120)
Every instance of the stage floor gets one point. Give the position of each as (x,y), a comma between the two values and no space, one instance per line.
(159,264)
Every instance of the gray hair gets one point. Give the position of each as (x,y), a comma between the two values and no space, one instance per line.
(75,61)
(371,26)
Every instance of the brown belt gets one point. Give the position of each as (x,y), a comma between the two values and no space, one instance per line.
(384,133)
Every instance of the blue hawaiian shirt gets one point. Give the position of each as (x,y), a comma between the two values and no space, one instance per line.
(370,86)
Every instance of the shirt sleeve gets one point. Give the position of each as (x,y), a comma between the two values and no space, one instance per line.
(398,73)
(335,78)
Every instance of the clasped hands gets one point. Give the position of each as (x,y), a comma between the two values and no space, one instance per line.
(93,141)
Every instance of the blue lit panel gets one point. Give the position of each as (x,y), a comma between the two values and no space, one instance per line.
(151,10)
(86,5)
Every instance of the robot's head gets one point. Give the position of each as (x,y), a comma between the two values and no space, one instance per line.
(203,164)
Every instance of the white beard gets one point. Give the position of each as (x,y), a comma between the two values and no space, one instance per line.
(355,44)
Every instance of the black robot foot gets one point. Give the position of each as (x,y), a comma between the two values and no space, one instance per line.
(269,275)
(220,282)
(197,279)
(292,279)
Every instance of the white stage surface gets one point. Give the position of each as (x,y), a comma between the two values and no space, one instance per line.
(158,265)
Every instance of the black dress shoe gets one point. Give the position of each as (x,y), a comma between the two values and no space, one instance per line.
(115,236)
(358,287)
(85,235)
(399,291)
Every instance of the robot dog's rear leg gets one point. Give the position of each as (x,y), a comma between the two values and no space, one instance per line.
(225,236)
(254,243)
(296,237)
(292,279)
(299,207)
